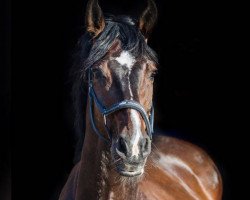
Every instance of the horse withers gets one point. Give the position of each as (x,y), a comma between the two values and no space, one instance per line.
(121,157)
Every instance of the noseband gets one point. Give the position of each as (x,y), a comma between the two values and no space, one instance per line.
(149,121)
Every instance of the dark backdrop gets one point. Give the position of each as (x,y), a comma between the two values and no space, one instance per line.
(5,181)
(193,94)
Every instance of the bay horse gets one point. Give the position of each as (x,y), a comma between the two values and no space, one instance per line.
(121,156)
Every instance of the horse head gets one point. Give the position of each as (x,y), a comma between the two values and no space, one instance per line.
(121,68)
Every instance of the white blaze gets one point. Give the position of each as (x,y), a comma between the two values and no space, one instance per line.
(127,60)
(136,122)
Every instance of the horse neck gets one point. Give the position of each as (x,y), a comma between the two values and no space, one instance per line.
(97,177)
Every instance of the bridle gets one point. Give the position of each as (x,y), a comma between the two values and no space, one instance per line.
(149,121)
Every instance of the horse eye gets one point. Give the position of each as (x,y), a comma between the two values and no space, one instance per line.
(98,74)
(152,75)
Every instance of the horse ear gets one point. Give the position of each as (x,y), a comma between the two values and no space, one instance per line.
(148,19)
(94,20)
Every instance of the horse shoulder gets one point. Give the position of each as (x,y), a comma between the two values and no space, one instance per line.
(180,170)
(69,189)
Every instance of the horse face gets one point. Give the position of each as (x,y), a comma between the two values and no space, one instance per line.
(117,77)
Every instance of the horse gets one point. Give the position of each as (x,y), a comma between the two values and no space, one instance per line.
(121,157)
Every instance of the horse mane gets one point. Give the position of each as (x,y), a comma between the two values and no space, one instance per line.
(88,52)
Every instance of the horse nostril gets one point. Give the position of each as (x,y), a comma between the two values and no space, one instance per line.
(122,147)
(146,147)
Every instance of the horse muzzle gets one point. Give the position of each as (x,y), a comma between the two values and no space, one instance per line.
(130,158)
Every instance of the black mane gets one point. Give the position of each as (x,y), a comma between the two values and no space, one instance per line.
(88,52)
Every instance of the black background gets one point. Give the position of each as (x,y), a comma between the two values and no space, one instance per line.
(196,93)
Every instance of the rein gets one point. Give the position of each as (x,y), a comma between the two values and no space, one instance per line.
(149,121)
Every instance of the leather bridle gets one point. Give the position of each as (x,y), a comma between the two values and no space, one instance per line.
(149,120)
